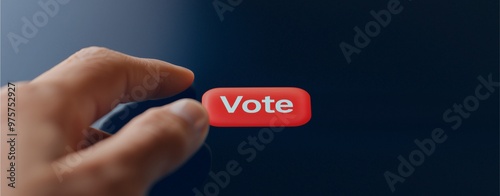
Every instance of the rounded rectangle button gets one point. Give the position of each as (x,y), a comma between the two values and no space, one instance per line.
(258,107)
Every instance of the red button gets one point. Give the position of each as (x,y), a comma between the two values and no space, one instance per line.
(257,107)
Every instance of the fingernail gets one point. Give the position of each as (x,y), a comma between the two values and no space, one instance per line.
(191,111)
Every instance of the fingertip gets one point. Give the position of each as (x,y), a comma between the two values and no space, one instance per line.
(173,79)
(189,74)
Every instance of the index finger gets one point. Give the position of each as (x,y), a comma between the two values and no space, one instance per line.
(97,79)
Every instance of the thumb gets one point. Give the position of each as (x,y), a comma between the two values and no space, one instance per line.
(153,144)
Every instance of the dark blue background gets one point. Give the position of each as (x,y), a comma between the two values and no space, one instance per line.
(365,114)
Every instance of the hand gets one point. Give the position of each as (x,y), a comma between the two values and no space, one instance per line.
(57,153)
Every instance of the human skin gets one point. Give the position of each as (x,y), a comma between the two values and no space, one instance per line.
(58,153)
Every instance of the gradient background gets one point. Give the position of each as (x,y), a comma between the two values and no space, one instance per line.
(365,114)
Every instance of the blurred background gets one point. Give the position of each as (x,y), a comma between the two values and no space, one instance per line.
(366,113)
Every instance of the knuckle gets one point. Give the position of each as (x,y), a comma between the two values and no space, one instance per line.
(93,50)
(94,54)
